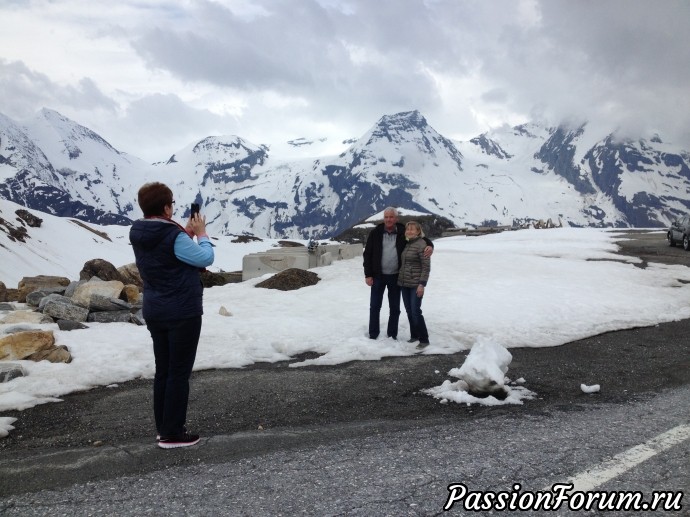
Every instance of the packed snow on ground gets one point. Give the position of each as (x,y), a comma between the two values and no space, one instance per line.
(527,288)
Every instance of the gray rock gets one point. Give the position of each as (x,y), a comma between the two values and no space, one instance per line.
(9,371)
(6,307)
(17,328)
(138,318)
(69,291)
(34,298)
(64,311)
(98,303)
(70,325)
(53,296)
(110,317)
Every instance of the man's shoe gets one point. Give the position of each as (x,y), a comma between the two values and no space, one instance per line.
(413,340)
(183,440)
(393,337)
(423,344)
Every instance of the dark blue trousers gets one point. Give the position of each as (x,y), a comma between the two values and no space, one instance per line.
(413,306)
(381,283)
(174,347)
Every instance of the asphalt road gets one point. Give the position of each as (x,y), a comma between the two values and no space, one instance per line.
(297,432)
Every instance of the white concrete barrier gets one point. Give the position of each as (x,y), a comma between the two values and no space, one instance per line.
(274,261)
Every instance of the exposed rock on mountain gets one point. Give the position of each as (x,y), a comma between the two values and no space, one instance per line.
(508,176)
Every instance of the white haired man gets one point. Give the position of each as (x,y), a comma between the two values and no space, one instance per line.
(381,265)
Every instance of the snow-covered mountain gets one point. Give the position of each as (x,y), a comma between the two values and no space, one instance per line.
(503,177)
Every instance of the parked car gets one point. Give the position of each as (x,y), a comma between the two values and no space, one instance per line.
(680,232)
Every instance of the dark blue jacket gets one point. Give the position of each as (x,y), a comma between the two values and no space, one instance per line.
(172,288)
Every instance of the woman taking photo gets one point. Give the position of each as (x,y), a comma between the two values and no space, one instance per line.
(412,279)
(169,262)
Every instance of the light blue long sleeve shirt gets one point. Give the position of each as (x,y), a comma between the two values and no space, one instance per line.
(189,252)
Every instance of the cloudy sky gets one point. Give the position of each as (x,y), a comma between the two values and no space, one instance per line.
(152,76)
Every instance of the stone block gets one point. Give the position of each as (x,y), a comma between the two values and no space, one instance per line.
(23,344)
(110,317)
(129,274)
(109,289)
(49,297)
(98,303)
(68,325)
(65,311)
(29,284)
(138,318)
(58,354)
(131,293)
(69,290)
(34,298)
(259,264)
(26,317)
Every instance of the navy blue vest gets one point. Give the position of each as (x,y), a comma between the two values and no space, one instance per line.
(172,288)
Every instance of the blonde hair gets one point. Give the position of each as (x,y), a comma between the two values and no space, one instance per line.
(417,226)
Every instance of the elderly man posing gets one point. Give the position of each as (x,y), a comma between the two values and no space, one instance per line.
(381,264)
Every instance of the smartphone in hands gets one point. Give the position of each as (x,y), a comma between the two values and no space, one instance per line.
(195,210)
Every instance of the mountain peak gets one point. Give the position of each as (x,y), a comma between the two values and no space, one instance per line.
(403,120)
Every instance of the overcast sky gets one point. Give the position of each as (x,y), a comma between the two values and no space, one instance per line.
(152,76)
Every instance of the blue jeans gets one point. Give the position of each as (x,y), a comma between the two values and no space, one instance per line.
(413,306)
(174,347)
(381,283)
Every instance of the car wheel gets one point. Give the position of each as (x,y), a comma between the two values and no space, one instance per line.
(686,243)
(671,242)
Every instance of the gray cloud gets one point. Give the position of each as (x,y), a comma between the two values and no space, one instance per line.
(345,63)
(30,90)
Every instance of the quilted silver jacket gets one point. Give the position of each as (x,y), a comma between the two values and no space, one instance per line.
(415,268)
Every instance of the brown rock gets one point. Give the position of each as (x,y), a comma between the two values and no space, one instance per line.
(101,269)
(30,219)
(26,317)
(131,293)
(23,344)
(57,354)
(3,292)
(129,274)
(29,284)
(83,292)
(210,279)
(290,279)
(12,295)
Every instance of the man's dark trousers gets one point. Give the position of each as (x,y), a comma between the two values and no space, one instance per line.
(381,283)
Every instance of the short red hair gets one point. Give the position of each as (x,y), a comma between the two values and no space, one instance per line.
(154,197)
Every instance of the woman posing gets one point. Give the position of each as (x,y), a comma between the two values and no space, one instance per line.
(412,279)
